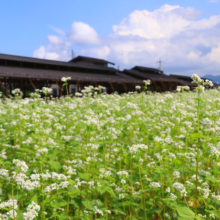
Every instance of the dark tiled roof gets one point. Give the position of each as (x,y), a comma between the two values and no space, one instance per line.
(188,78)
(185,77)
(181,76)
(52,62)
(153,77)
(90,59)
(17,72)
(147,69)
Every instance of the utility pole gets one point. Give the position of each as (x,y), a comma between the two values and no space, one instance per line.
(118,65)
(160,64)
(73,55)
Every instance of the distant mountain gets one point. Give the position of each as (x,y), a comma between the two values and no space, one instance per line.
(215,79)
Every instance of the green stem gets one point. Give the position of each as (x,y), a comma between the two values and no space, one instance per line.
(13,201)
(142,191)
(197,158)
(67,92)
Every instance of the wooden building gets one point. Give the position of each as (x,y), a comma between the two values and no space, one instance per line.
(160,81)
(29,74)
(188,80)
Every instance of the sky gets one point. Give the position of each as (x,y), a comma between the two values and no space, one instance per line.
(184,34)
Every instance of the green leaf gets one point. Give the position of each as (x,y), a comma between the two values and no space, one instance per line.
(126,203)
(27,150)
(87,203)
(211,179)
(150,211)
(185,212)
(101,190)
(58,204)
(84,176)
(199,135)
(54,205)
(63,216)
(34,198)
(20,214)
(74,203)
(71,182)
(127,160)
(111,192)
(215,212)
(56,165)
(119,211)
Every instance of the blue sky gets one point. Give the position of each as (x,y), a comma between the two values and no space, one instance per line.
(185,34)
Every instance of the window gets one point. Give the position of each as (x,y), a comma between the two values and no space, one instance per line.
(55,93)
(73,91)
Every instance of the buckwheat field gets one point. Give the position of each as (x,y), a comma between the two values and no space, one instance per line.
(123,157)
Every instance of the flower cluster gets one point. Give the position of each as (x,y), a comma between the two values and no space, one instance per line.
(200,82)
(21,164)
(46,90)
(182,88)
(32,211)
(10,205)
(180,188)
(65,79)
(17,92)
(147,82)
(154,185)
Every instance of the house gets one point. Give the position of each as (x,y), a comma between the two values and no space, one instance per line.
(160,81)
(29,74)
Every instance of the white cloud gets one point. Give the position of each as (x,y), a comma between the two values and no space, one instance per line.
(57,49)
(44,54)
(172,33)
(185,43)
(215,54)
(164,22)
(57,30)
(101,52)
(81,33)
(213,1)
(54,39)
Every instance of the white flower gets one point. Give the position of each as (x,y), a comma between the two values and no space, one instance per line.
(4,172)
(31,211)
(178,89)
(120,173)
(176,175)
(63,184)
(78,94)
(196,79)
(12,214)
(147,82)
(172,196)
(208,82)
(65,79)
(167,215)
(121,196)
(211,216)
(97,211)
(21,164)
(189,183)
(180,188)
(123,181)
(108,211)
(154,185)
(46,90)
(17,92)
(168,189)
